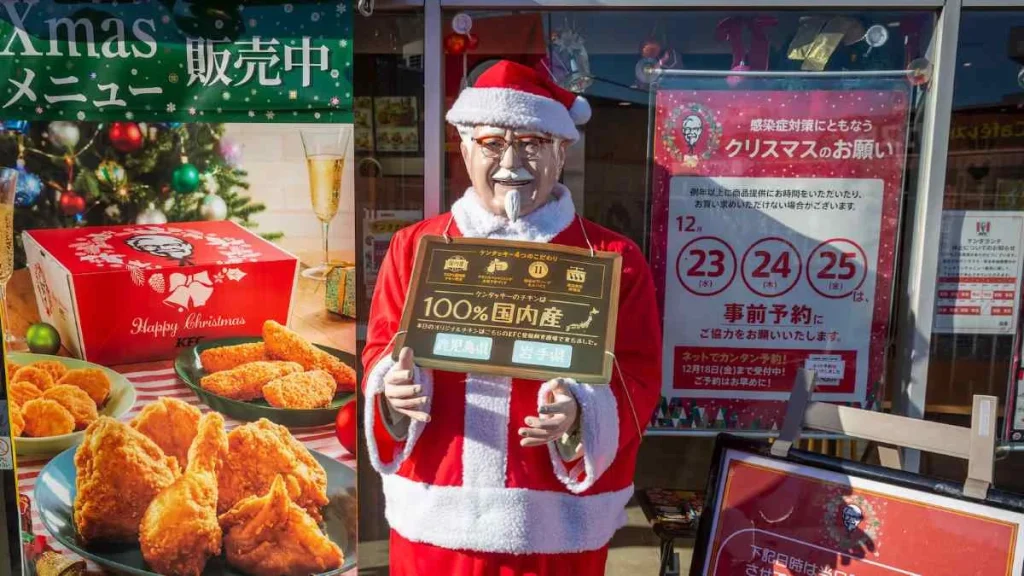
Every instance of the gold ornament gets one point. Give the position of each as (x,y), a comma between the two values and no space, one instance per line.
(56,564)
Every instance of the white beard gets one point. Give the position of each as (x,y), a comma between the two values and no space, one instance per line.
(513,204)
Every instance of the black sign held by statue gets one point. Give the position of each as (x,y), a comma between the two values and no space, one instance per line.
(519,309)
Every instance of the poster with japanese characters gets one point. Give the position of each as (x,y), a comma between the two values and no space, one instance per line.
(773,244)
(769,516)
(979,276)
(188,61)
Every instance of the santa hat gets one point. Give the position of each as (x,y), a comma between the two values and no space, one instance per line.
(510,95)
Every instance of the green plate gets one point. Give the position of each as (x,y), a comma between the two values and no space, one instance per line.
(122,398)
(190,369)
(55,496)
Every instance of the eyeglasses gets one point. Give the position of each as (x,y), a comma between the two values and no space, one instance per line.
(528,147)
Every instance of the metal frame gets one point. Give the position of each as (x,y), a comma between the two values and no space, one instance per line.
(915,322)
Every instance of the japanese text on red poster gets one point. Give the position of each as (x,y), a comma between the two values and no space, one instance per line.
(775,219)
(980,259)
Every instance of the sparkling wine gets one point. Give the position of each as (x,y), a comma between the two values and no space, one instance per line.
(6,242)
(325,184)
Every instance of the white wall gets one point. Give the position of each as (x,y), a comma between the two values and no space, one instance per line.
(274,158)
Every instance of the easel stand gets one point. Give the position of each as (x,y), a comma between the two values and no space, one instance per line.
(975,444)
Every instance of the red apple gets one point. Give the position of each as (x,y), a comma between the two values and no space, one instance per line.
(345,426)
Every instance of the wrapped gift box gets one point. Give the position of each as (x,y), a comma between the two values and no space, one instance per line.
(123,294)
(341,293)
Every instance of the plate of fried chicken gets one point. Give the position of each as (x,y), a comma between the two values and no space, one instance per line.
(280,376)
(250,501)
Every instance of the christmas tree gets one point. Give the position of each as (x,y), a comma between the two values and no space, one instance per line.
(88,174)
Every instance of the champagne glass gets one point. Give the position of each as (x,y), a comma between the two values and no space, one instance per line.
(8,184)
(325,161)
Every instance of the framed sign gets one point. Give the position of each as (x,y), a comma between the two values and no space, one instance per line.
(809,514)
(519,309)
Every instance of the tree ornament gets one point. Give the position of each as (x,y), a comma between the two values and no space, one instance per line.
(111,173)
(455,43)
(151,215)
(71,203)
(125,136)
(569,63)
(231,151)
(651,48)
(43,338)
(345,427)
(185,179)
(29,187)
(213,207)
(64,134)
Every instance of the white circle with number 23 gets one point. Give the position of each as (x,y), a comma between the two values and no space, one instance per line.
(706,266)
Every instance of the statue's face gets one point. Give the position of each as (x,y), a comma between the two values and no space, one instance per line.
(513,172)
(160,245)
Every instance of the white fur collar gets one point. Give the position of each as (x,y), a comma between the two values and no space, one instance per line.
(541,225)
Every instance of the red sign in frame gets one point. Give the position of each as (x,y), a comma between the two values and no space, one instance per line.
(766,515)
(798,192)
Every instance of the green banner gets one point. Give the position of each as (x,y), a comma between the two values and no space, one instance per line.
(210,61)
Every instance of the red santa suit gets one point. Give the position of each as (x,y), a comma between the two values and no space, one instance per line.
(462,496)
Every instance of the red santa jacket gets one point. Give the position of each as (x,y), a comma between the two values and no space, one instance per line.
(462,481)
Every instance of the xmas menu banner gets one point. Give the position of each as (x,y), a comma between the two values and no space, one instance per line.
(773,517)
(775,218)
(190,61)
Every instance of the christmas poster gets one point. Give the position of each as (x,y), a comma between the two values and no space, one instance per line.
(775,218)
(774,518)
(980,265)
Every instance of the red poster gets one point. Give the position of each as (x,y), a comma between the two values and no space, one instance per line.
(775,518)
(774,233)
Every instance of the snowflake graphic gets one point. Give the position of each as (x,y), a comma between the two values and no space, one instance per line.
(341,8)
(171,107)
(192,111)
(252,114)
(129,115)
(270,115)
(234,274)
(343,43)
(335,101)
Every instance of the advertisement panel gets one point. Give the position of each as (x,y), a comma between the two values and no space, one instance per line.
(773,243)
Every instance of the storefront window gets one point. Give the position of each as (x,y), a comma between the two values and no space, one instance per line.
(609,56)
(978,294)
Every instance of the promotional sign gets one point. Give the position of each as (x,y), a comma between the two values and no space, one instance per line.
(980,265)
(772,516)
(517,309)
(773,244)
(178,60)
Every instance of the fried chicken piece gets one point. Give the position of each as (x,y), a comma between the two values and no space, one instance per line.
(272,536)
(179,531)
(17,420)
(21,392)
(37,377)
(119,472)
(45,418)
(93,380)
(172,424)
(260,451)
(246,381)
(56,369)
(228,357)
(11,368)
(76,401)
(285,344)
(301,390)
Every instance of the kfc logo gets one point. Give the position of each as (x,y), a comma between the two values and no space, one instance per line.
(163,246)
(983,227)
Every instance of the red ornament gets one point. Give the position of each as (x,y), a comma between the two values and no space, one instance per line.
(650,49)
(473,42)
(456,43)
(71,203)
(345,426)
(125,136)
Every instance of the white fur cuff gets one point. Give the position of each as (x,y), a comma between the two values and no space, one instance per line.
(375,387)
(599,418)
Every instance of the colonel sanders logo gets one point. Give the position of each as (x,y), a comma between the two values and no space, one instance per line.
(852,517)
(163,246)
(693,127)
(691,134)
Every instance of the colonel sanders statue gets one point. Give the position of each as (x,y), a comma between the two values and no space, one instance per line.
(487,475)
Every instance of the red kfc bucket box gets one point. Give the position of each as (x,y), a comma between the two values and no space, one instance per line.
(123,294)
